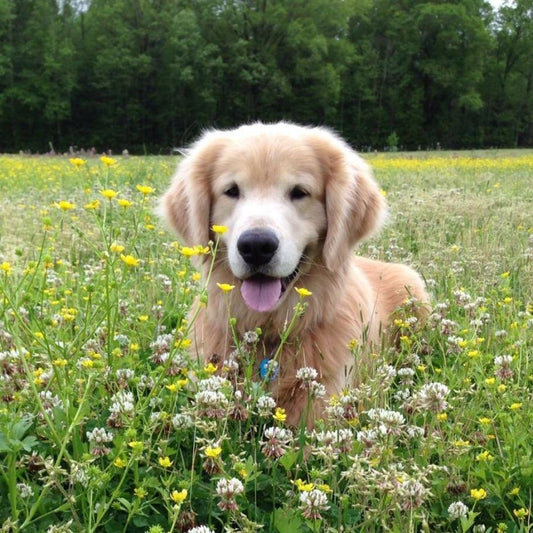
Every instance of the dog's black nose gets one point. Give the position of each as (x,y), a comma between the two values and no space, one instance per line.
(257,246)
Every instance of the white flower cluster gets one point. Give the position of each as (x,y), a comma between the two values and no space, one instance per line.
(312,503)
(99,435)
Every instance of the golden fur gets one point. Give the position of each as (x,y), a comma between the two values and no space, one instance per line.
(268,167)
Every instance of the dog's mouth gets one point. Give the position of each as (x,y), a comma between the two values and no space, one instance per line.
(262,293)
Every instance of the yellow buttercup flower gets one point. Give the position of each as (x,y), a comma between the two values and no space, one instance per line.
(303,486)
(213,453)
(108,161)
(77,161)
(219,230)
(119,462)
(95,204)
(178,497)
(5,267)
(65,206)
(130,260)
(116,248)
(302,292)
(521,513)
(280,415)
(145,189)
(136,445)
(124,203)
(210,368)
(108,193)
(225,287)
(515,406)
(165,462)
(478,494)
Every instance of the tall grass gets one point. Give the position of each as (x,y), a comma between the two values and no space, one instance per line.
(107,423)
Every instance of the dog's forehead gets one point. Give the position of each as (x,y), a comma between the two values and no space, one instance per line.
(267,159)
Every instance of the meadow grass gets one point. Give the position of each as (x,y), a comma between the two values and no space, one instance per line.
(108,423)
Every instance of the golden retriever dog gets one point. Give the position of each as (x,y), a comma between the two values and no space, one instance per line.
(296,200)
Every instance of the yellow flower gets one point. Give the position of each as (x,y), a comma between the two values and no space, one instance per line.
(108,193)
(484,456)
(178,497)
(188,251)
(478,494)
(108,161)
(77,162)
(302,292)
(225,287)
(117,248)
(130,260)
(505,275)
(124,203)
(140,492)
(521,513)
(303,486)
(60,362)
(210,368)
(515,406)
(143,318)
(324,488)
(65,206)
(219,230)
(145,189)
(490,381)
(165,462)
(442,417)
(213,453)
(514,492)
(280,415)
(6,267)
(136,445)
(502,388)
(95,204)
(119,463)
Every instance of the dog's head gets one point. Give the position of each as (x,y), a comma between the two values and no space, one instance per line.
(292,197)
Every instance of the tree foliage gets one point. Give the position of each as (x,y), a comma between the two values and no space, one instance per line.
(150,74)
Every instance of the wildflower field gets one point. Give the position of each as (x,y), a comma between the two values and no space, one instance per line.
(108,423)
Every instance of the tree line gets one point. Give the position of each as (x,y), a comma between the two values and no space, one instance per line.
(148,75)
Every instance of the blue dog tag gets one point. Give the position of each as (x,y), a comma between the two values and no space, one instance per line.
(266,366)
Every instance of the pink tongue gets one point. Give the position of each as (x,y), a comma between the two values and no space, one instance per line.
(261,294)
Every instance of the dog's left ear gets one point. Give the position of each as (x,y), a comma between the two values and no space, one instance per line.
(355,207)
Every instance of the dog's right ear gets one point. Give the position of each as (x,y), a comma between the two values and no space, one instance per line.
(187,202)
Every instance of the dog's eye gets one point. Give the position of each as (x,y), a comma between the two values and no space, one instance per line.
(297,193)
(232,192)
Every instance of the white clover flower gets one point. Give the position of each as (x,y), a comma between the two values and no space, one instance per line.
(432,397)
(412,493)
(227,490)
(99,436)
(265,405)
(306,374)
(337,441)
(316,389)
(213,383)
(312,503)
(275,441)
(503,360)
(200,529)
(25,490)
(392,421)
(250,337)
(457,510)
(182,421)
(122,403)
